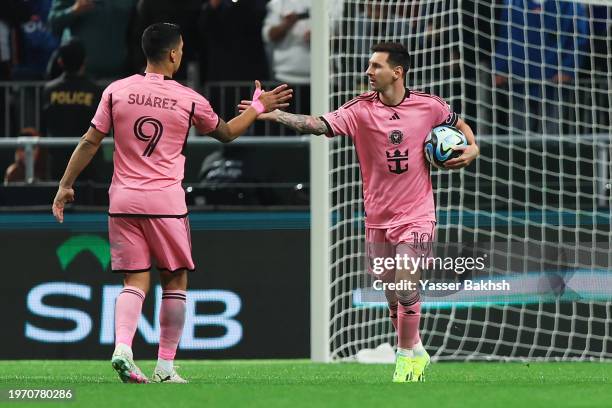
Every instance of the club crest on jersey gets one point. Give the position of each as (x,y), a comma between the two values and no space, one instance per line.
(396,137)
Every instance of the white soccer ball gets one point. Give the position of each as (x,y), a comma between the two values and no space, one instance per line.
(439,145)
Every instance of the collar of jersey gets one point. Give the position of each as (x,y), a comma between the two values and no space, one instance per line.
(406,95)
(150,74)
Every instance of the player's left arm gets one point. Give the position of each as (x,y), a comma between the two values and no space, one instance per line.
(82,155)
(470,152)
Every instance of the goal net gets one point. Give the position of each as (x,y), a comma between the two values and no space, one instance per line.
(532,79)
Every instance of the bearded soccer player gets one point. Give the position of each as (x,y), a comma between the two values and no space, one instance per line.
(151,115)
(388,126)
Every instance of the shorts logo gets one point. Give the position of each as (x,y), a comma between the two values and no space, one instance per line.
(396,137)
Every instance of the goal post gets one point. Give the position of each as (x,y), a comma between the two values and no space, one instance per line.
(543,178)
(319,188)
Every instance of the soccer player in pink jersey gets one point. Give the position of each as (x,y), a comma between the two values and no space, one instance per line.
(150,115)
(388,126)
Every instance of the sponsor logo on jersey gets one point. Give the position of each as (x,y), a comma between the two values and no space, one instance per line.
(395,161)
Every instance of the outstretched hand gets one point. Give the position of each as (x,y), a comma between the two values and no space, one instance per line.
(267,102)
(64,195)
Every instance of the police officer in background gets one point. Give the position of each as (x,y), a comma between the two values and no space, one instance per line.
(69,103)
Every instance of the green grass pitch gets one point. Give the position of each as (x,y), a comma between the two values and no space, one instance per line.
(300,383)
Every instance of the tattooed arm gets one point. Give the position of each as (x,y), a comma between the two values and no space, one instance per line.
(301,123)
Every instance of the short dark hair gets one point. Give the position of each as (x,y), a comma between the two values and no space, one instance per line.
(398,54)
(158,39)
(72,54)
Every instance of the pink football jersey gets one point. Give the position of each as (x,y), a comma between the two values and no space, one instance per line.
(151,116)
(389,144)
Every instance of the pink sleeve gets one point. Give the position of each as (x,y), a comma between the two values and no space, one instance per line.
(442,113)
(103,119)
(340,122)
(204,117)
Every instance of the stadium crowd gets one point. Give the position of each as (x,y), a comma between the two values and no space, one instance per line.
(78,46)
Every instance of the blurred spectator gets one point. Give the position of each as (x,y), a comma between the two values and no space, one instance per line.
(5,50)
(16,171)
(12,13)
(35,43)
(287,32)
(69,103)
(230,40)
(537,51)
(184,13)
(102,27)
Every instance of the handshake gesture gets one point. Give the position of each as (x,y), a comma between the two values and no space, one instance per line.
(265,102)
